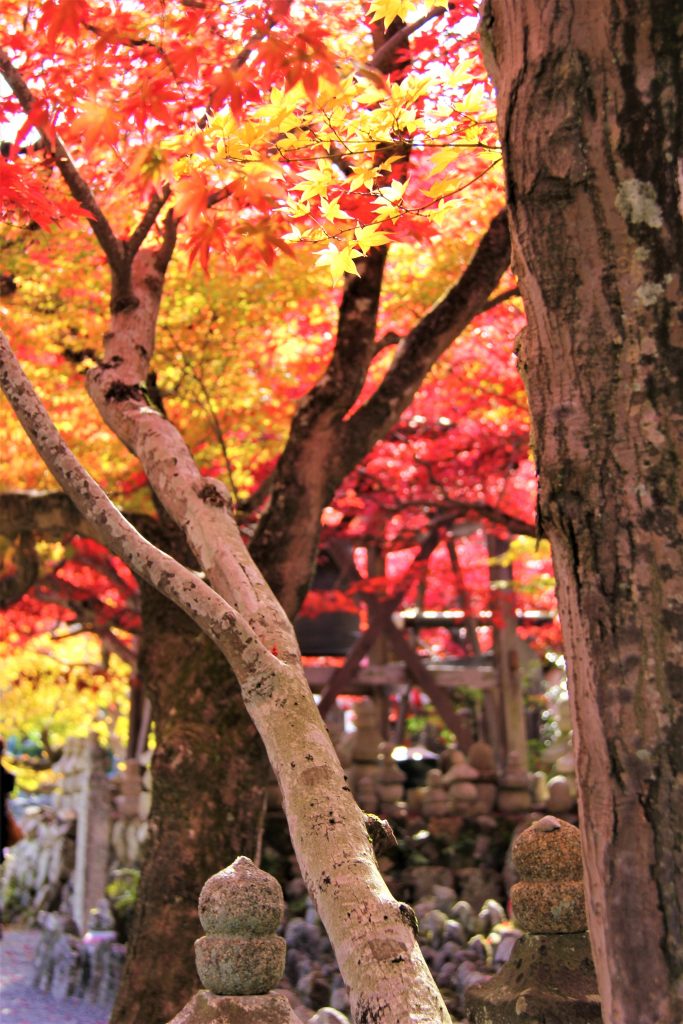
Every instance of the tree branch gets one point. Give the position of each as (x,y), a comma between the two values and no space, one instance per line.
(495,300)
(13,586)
(229,630)
(384,55)
(423,345)
(147,222)
(164,253)
(79,188)
(50,515)
(465,509)
(307,475)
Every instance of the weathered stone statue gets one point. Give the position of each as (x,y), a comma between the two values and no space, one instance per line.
(459,780)
(549,978)
(514,795)
(240,959)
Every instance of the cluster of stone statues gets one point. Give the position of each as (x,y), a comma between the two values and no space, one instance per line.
(463,785)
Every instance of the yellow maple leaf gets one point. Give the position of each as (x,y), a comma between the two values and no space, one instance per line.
(440,159)
(339,261)
(362,177)
(332,210)
(370,236)
(388,10)
(316,182)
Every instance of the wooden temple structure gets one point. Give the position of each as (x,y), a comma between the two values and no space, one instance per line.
(382,660)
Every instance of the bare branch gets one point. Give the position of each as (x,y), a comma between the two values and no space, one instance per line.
(449,512)
(165,252)
(419,349)
(50,515)
(148,220)
(260,495)
(389,339)
(112,645)
(384,56)
(495,300)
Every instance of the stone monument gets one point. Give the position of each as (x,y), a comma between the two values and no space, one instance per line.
(364,743)
(240,959)
(391,781)
(93,811)
(514,794)
(549,977)
(459,780)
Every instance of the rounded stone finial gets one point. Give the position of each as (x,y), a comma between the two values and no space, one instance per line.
(241,900)
(240,908)
(549,896)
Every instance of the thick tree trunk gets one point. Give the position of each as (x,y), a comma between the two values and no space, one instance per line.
(208,804)
(591,123)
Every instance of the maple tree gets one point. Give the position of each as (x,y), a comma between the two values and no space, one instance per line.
(233,133)
(590,116)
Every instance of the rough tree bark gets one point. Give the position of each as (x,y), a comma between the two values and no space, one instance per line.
(209,773)
(591,122)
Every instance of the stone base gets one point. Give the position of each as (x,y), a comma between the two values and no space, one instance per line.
(207,1008)
(549,979)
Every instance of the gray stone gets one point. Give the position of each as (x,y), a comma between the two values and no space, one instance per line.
(505,946)
(549,898)
(464,914)
(228,965)
(340,998)
(207,1008)
(444,896)
(314,988)
(93,807)
(549,907)
(302,935)
(548,849)
(540,984)
(490,915)
(549,975)
(478,946)
(328,1015)
(241,900)
(432,926)
(561,800)
(481,756)
(454,932)
(297,963)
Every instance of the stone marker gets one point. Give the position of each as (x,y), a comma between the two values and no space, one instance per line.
(549,978)
(93,809)
(240,959)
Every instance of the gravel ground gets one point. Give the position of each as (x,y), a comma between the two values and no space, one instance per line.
(22,1004)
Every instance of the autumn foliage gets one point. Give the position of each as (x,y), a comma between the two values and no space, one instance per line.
(289,140)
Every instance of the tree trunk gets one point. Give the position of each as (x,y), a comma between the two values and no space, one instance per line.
(208,804)
(591,122)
